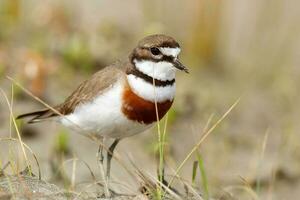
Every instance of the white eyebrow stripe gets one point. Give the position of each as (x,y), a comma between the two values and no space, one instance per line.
(170,51)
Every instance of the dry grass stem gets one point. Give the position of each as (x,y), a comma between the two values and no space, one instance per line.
(16,128)
(203,138)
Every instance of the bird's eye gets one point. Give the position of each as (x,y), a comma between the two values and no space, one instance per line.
(155,51)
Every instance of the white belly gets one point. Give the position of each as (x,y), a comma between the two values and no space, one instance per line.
(103,116)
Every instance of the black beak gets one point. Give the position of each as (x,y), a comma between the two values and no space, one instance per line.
(180,66)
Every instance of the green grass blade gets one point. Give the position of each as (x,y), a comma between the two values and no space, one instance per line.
(203,175)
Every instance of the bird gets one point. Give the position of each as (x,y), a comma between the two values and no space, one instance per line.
(124,98)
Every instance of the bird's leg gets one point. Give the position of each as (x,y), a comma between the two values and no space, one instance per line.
(109,156)
(161,177)
(100,159)
(165,182)
(100,153)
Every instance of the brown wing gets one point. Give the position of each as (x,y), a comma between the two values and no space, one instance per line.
(90,88)
(85,92)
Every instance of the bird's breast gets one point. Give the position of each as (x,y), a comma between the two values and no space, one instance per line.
(144,111)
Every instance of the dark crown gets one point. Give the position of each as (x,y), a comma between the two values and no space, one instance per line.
(158,40)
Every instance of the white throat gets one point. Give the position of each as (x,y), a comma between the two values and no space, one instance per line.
(159,70)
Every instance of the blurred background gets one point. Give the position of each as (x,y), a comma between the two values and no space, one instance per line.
(247,49)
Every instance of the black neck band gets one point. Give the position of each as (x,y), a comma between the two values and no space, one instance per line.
(134,71)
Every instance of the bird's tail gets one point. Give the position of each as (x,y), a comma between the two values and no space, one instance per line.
(38,116)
